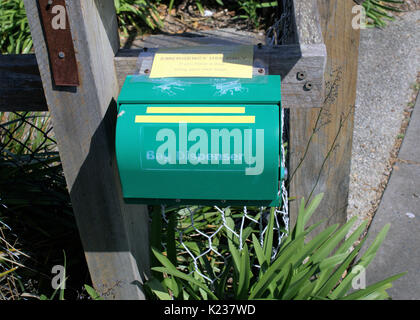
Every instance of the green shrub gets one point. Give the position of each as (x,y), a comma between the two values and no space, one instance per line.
(15,36)
(378,11)
(35,203)
(132,13)
(317,269)
(251,10)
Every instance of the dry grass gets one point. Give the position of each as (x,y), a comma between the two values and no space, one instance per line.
(10,261)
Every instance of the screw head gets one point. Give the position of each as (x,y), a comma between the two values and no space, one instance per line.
(260,70)
(146,71)
(307,86)
(61,55)
(301,75)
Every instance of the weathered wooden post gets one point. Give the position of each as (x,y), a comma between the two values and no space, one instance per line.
(114,235)
(321,138)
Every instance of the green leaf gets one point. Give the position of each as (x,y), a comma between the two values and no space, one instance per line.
(336,276)
(245,274)
(330,262)
(364,261)
(309,210)
(200,7)
(61,296)
(286,283)
(305,292)
(268,238)
(298,284)
(235,255)
(259,253)
(173,285)
(352,238)
(221,284)
(7,272)
(305,213)
(300,226)
(171,4)
(92,293)
(311,246)
(381,285)
(169,268)
(190,280)
(333,242)
(272,272)
(373,248)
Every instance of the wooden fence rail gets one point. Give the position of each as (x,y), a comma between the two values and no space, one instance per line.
(20,84)
(21,88)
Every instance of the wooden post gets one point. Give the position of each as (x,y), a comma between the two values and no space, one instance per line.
(321,138)
(114,235)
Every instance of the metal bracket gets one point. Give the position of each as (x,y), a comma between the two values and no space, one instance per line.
(55,23)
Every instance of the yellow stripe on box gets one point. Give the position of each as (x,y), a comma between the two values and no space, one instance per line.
(195,110)
(195,119)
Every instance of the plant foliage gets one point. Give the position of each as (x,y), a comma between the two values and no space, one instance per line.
(321,268)
(34,201)
(15,36)
(377,11)
(132,13)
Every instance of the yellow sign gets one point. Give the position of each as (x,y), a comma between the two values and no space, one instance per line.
(195,110)
(195,119)
(204,61)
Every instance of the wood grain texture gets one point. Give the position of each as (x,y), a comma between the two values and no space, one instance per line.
(114,235)
(20,84)
(321,139)
(286,61)
(225,36)
(307,22)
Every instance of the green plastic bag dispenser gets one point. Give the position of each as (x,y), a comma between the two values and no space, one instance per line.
(207,141)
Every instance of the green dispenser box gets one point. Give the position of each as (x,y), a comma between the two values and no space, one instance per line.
(207,141)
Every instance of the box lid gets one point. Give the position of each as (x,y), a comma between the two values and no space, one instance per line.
(257,90)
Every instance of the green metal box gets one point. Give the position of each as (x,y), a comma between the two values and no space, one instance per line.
(207,141)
